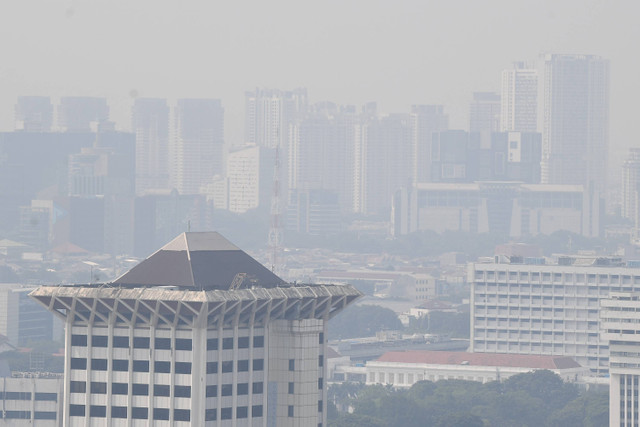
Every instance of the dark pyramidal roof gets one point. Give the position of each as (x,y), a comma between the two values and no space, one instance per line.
(199,261)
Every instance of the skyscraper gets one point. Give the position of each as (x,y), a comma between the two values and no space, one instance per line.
(34,113)
(150,123)
(197,146)
(630,187)
(82,113)
(197,334)
(575,138)
(484,112)
(425,120)
(519,110)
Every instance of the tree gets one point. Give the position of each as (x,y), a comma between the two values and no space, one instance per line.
(460,420)
(363,321)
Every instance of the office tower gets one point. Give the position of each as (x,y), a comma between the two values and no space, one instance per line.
(22,320)
(34,113)
(197,147)
(198,333)
(630,187)
(619,316)
(484,112)
(425,120)
(527,306)
(32,399)
(243,173)
(519,110)
(269,113)
(150,123)
(575,139)
(82,114)
(315,212)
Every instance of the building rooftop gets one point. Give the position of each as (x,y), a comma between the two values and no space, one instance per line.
(480,359)
(199,261)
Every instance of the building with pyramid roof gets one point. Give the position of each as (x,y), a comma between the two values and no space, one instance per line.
(199,333)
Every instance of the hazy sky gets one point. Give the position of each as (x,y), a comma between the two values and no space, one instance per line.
(349,51)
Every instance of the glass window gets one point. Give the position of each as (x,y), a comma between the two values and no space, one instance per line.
(243,388)
(45,415)
(182,391)
(99,341)
(227,343)
(163,343)
(227,366)
(98,388)
(182,367)
(257,388)
(183,344)
(258,341)
(258,364)
(226,389)
(99,364)
(118,412)
(140,342)
(119,388)
(292,364)
(78,363)
(290,410)
(256,411)
(120,365)
(212,367)
(160,413)
(78,387)
(210,414)
(225,413)
(139,413)
(140,389)
(76,410)
(162,367)
(79,341)
(182,415)
(140,366)
(53,397)
(243,342)
(97,411)
(121,342)
(161,390)
(319,405)
(212,344)
(242,412)
(243,365)
(212,391)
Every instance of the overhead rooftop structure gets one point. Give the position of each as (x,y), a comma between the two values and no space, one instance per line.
(222,339)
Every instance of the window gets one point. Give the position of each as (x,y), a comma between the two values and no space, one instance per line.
(320,383)
(76,410)
(140,389)
(140,342)
(163,343)
(210,414)
(321,360)
(17,395)
(21,415)
(184,344)
(227,366)
(182,415)
(79,340)
(162,367)
(212,343)
(319,405)
(227,343)
(243,365)
(139,413)
(97,411)
(140,366)
(212,391)
(161,390)
(258,364)
(242,411)
(182,367)
(99,341)
(78,363)
(121,342)
(257,388)
(226,389)
(160,413)
(78,387)
(120,365)
(243,342)
(321,338)
(290,411)
(99,364)
(119,388)
(182,391)
(243,388)
(98,388)
(291,387)
(53,397)
(292,364)
(225,413)
(44,415)
(212,367)
(256,411)
(258,342)
(118,412)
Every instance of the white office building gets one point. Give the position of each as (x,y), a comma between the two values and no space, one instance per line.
(525,306)
(519,109)
(620,317)
(243,173)
(31,399)
(197,334)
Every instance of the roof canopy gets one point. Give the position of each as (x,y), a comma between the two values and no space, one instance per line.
(200,261)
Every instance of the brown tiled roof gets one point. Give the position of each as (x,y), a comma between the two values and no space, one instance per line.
(480,359)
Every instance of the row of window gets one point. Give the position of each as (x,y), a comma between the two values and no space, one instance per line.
(164,343)
(26,395)
(26,415)
(292,386)
(290,409)
(163,389)
(139,413)
(137,365)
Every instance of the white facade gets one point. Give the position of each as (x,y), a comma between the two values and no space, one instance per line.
(545,309)
(620,317)
(630,187)
(243,173)
(519,109)
(31,399)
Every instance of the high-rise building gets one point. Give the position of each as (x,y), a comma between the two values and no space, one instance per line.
(575,139)
(519,110)
(631,186)
(197,146)
(484,112)
(243,173)
(425,120)
(620,320)
(82,113)
(527,306)
(198,334)
(34,113)
(150,123)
